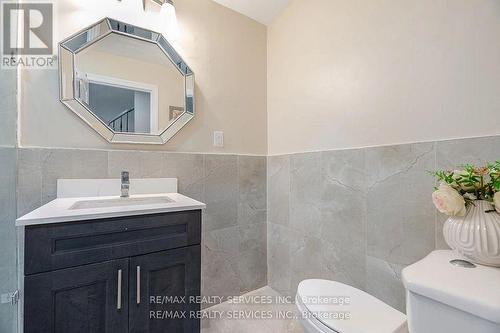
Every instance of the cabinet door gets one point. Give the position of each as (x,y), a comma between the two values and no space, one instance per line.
(85,299)
(161,285)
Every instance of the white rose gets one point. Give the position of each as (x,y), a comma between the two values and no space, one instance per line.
(448,201)
(496,201)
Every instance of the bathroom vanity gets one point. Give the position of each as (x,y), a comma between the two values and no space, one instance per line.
(110,264)
(96,259)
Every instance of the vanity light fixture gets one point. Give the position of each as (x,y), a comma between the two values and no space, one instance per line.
(160,2)
(169,17)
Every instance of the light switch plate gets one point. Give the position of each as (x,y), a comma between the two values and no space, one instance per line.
(219,139)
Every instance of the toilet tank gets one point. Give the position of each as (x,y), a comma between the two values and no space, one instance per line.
(442,297)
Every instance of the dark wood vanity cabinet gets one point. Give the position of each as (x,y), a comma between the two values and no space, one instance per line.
(78,300)
(131,274)
(170,273)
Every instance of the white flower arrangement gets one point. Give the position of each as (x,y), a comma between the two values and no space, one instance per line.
(460,188)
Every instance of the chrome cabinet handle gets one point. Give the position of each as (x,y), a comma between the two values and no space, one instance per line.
(119,297)
(138,285)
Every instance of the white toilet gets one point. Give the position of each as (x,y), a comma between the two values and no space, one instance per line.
(441,298)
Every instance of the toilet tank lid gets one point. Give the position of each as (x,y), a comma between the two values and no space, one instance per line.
(472,290)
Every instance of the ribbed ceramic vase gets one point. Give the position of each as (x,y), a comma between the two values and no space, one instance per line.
(477,235)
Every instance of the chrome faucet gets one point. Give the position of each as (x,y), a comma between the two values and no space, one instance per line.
(125,184)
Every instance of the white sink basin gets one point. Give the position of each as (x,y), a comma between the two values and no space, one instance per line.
(120,202)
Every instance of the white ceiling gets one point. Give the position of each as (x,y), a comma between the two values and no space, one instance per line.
(263,11)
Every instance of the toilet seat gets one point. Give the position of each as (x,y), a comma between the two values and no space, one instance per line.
(314,324)
(325,301)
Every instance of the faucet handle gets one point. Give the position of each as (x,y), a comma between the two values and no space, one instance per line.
(125,177)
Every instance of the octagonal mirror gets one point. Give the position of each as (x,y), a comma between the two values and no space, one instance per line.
(128,83)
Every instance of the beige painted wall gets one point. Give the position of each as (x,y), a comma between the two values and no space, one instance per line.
(360,73)
(226,50)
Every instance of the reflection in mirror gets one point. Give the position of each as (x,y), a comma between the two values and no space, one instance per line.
(131,86)
(122,109)
(129,79)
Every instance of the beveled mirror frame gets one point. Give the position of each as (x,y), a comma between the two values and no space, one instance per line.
(71,46)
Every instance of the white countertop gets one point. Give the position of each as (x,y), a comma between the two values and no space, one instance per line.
(58,210)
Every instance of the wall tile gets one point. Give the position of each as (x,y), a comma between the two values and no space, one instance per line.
(234,260)
(235,233)
(8,161)
(454,153)
(8,258)
(243,256)
(189,169)
(151,164)
(343,215)
(278,258)
(344,265)
(221,191)
(55,164)
(252,222)
(220,271)
(306,261)
(252,271)
(8,107)
(234,225)
(71,164)
(253,238)
(383,280)
(89,164)
(39,170)
(139,164)
(29,182)
(400,214)
(305,193)
(278,189)
(252,188)
(345,168)
(119,161)
(224,240)
(252,261)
